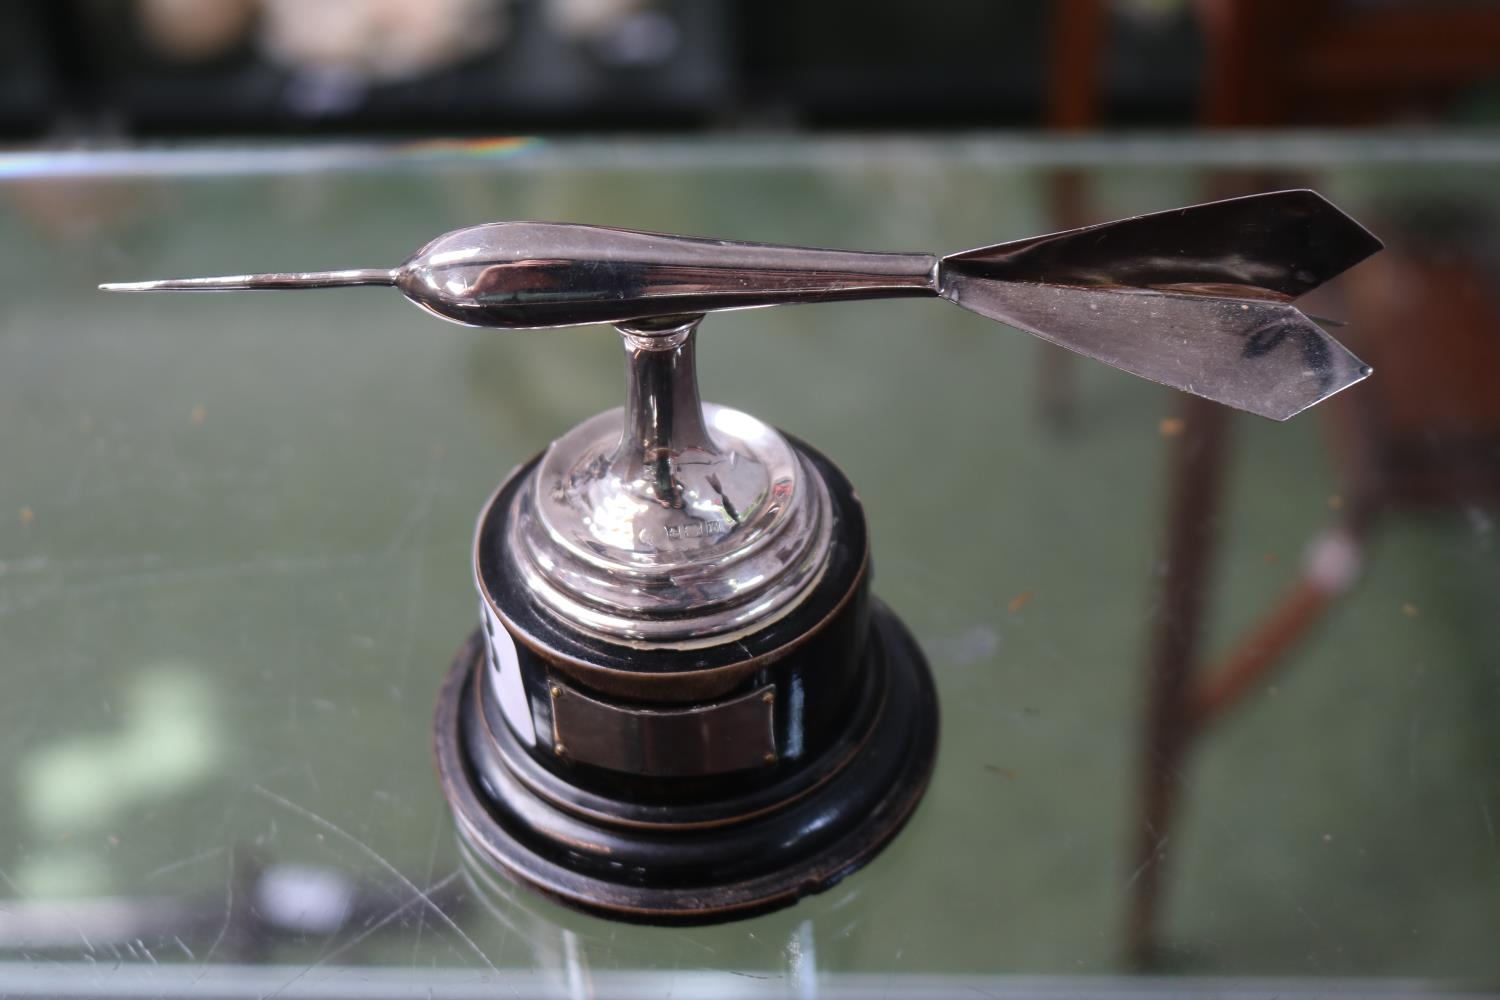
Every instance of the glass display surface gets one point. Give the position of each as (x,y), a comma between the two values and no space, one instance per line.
(236,531)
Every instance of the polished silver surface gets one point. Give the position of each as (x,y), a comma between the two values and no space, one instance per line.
(1195,298)
(670,522)
(535,274)
(735,734)
(531,275)
(272,281)
(1264,357)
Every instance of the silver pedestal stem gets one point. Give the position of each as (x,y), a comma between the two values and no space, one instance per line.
(663,412)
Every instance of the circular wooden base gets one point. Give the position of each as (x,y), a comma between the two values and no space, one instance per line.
(755,855)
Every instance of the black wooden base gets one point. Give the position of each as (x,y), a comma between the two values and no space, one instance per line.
(673,867)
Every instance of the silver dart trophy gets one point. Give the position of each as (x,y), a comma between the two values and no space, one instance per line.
(682,704)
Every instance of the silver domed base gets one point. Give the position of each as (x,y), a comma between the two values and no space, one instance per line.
(670,523)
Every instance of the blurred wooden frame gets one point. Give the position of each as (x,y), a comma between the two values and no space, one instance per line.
(1416,435)
(1278,62)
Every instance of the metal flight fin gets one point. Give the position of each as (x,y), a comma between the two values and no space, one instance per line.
(1195,298)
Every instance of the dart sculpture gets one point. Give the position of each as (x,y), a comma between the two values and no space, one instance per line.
(682,703)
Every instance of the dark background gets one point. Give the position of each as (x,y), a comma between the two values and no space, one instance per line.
(120,69)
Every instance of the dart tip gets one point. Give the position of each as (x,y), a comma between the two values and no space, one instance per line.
(253,282)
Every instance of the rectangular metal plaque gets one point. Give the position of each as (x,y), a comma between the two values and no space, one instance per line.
(731,735)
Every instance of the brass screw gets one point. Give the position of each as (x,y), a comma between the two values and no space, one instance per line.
(555,691)
(771,758)
(559,749)
(769,696)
